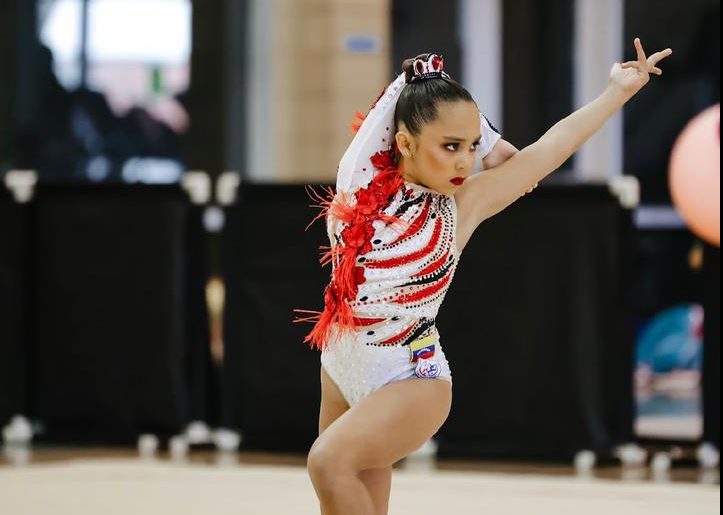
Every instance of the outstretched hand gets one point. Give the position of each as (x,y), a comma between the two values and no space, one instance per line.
(631,76)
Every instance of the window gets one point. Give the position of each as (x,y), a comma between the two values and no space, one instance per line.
(125,63)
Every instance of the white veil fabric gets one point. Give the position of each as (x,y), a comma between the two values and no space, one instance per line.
(375,135)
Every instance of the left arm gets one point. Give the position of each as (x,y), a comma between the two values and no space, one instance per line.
(483,195)
(501,152)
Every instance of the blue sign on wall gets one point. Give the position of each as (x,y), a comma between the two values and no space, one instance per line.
(362,44)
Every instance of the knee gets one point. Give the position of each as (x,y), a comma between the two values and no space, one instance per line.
(325,466)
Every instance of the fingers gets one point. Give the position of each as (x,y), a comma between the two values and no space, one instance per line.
(639,50)
(658,56)
(647,64)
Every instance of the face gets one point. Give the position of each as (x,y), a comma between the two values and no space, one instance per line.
(443,153)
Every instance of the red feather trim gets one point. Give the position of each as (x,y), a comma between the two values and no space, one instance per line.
(356,123)
(356,238)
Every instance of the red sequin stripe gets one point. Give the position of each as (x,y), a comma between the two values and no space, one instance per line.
(391,263)
(422,294)
(398,338)
(363,322)
(418,223)
(436,265)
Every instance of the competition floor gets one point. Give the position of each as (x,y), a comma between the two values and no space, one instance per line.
(119,482)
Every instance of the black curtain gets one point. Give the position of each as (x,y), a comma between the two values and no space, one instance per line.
(112,336)
(538,330)
(537,325)
(13,308)
(272,388)
(200,372)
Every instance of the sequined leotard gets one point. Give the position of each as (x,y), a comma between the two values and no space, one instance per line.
(398,260)
(406,274)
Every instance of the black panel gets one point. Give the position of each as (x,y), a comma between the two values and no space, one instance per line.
(13,307)
(110,312)
(537,325)
(271,267)
(538,330)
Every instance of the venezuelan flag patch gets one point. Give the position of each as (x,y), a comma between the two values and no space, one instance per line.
(423,348)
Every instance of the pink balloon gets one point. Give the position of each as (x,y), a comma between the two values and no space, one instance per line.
(694,176)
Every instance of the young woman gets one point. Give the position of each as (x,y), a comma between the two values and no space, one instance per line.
(406,205)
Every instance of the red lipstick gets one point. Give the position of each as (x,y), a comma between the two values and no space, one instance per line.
(457,180)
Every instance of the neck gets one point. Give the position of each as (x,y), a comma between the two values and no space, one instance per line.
(404,170)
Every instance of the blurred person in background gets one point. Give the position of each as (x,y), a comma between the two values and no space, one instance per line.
(71,133)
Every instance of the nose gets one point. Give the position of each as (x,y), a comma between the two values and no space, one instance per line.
(464,163)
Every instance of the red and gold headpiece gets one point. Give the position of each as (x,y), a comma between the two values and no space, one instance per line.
(430,68)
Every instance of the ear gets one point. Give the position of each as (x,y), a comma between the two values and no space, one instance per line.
(405,141)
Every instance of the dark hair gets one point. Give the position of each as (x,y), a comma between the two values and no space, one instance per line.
(418,103)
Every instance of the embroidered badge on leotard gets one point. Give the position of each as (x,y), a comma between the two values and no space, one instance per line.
(427,369)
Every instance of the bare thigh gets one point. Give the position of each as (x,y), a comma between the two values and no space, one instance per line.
(333,405)
(389,424)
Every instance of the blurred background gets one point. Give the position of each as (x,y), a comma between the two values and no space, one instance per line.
(153,156)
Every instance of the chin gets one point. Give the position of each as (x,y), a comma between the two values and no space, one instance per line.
(449,189)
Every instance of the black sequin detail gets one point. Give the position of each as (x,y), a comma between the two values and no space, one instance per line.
(404,207)
(435,277)
(425,324)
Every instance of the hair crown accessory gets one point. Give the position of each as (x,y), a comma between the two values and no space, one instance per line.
(430,68)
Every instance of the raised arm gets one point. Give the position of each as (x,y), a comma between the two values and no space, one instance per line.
(486,194)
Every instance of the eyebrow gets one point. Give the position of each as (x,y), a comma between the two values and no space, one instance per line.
(455,138)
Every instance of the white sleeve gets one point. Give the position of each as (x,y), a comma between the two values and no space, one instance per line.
(490,137)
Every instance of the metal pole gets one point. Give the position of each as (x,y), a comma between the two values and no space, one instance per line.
(84,44)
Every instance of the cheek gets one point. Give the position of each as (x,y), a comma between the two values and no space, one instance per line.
(439,158)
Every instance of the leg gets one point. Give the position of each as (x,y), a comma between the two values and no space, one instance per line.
(333,404)
(377,432)
(378,482)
